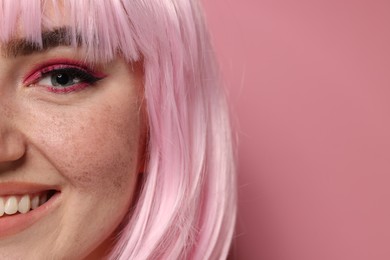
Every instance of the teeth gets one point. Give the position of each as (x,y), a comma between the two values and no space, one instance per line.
(42,199)
(1,207)
(24,204)
(35,202)
(10,205)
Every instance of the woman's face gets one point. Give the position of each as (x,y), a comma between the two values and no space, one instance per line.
(72,133)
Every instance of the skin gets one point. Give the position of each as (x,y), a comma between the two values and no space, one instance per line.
(89,143)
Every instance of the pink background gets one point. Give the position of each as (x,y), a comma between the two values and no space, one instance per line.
(309,84)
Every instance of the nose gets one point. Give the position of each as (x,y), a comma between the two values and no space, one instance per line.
(12,146)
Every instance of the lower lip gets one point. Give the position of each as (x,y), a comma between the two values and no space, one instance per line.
(13,224)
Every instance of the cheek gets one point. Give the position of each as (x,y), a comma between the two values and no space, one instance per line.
(94,149)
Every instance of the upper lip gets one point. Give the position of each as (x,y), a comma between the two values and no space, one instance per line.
(19,188)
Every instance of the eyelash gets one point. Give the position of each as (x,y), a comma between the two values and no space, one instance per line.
(81,78)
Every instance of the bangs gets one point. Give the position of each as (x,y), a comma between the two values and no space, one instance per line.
(102,28)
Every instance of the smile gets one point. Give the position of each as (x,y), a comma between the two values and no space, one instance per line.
(23,204)
(10,205)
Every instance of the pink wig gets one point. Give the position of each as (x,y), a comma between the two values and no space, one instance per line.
(187,203)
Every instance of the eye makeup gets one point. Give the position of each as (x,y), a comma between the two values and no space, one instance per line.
(62,76)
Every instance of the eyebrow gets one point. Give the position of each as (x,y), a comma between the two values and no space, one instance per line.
(50,39)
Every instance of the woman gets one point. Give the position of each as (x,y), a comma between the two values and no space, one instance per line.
(114,136)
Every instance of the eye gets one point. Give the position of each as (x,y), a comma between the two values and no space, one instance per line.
(63,78)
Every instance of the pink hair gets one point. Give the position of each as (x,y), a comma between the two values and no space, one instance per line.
(187,204)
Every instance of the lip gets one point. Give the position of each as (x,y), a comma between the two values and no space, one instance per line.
(19,188)
(13,224)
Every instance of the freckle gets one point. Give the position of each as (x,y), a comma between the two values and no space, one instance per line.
(7,111)
(117,183)
(107,108)
(84,178)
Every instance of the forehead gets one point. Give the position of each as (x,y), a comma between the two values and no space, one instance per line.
(27,19)
(32,26)
(102,28)
(49,39)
